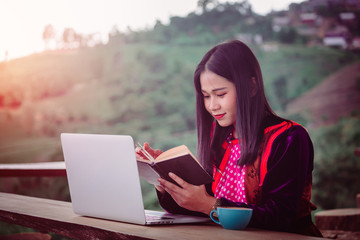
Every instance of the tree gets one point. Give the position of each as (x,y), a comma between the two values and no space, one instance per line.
(204,4)
(48,35)
(243,7)
(114,31)
(69,37)
(288,35)
(280,90)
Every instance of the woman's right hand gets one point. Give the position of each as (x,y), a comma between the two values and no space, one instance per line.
(153,152)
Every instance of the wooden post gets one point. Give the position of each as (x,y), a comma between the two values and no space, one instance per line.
(357,151)
(347,219)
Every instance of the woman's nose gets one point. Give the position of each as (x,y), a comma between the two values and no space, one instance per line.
(213,105)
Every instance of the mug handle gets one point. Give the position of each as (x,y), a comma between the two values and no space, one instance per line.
(212,218)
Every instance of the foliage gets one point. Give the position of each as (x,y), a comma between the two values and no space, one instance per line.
(7,229)
(213,25)
(289,35)
(337,168)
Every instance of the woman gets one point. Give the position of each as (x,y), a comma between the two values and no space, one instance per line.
(258,160)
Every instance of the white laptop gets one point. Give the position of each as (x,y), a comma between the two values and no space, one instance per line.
(104,181)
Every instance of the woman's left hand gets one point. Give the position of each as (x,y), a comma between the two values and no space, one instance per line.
(191,197)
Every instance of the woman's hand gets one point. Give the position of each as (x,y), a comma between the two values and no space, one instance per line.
(153,152)
(191,197)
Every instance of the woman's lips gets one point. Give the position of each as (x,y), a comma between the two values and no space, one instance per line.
(219,116)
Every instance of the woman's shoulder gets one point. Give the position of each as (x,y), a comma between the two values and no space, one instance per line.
(293,133)
(281,127)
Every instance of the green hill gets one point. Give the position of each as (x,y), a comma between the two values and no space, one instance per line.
(144,90)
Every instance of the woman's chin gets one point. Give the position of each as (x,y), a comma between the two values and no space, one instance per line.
(223,123)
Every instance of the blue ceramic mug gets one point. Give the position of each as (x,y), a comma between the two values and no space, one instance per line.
(233,218)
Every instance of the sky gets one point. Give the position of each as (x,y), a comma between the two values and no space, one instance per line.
(22,22)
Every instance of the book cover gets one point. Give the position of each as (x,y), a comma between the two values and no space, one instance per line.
(179,161)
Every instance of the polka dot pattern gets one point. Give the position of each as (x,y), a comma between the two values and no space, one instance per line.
(232,182)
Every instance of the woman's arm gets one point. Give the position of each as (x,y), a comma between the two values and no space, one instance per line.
(290,165)
(168,203)
(185,198)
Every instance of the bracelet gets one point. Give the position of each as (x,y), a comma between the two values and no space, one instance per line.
(216,204)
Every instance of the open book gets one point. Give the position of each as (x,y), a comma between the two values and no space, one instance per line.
(178,160)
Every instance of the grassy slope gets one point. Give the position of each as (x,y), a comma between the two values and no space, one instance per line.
(301,67)
(335,97)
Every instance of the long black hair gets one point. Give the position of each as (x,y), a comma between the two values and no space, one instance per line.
(234,61)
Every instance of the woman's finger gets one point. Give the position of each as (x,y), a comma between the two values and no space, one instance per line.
(168,186)
(178,180)
(159,188)
(151,151)
(139,154)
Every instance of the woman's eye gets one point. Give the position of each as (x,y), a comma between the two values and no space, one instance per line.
(221,95)
(206,97)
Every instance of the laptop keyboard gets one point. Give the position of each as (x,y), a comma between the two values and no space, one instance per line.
(155,218)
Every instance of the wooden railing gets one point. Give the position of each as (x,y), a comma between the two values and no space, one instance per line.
(43,169)
(58,217)
(47,215)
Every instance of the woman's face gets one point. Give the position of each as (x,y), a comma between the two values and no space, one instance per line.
(219,98)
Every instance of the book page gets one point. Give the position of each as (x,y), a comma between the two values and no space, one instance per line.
(174,152)
(147,173)
(143,160)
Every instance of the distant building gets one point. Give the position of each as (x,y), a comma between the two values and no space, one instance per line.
(307,31)
(313,5)
(356,43)
(347,17)
(350,20)
(310,21)
(309,18)
(333,23)
(335,41)
(342,5)
(279,22)
(337,37)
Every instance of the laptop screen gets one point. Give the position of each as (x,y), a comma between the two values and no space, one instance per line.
(103,176)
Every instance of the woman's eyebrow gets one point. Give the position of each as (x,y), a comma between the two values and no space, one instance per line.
(219,89)
(215,90)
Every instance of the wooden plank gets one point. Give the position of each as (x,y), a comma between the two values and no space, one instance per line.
(57,216)
(42,169)
(70,230)
(347,219)
(340,235)
(26,236)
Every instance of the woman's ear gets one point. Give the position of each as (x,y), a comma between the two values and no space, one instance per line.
(253,87)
